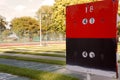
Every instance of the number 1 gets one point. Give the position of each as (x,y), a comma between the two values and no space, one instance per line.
(91,8)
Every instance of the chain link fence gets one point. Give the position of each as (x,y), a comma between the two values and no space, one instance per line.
(13,38)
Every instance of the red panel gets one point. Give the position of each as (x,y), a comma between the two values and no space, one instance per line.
(92,20)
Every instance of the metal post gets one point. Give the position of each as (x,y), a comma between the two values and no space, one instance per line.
(46,28)
(88,76)
(40,29)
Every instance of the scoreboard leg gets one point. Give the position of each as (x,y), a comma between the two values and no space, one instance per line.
(88,76)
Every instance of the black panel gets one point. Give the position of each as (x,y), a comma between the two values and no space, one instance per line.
(104,49)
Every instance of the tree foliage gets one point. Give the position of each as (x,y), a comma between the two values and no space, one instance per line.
(2,24)
(25,25)
(6,33)
(119,28)
(44,14)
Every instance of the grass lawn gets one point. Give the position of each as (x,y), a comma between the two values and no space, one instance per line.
(52,50)
(118,61)
(57,50)
(34,74)
(57,62)
(119,48)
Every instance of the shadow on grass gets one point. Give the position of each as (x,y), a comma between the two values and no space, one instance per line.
(56,51)
(41,54)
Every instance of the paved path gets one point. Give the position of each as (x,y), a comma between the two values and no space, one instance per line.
(40,66)
(35,56)
(51,68)
(48,67)
(5,76)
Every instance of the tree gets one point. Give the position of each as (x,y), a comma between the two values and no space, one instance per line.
(25,25)
(6,33)
(2,24)
(119,28)
(45,13)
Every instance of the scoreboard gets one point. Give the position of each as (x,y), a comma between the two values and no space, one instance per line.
(91,37)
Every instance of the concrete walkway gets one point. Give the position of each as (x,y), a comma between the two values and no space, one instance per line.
(51,68)
(5,76)
(35,56)
(41,66)
(48,67)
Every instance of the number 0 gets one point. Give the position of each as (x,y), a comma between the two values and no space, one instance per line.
(92,21)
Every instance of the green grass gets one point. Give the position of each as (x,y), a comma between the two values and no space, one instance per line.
(33,53)
(59,48)
(57,62)
(34,74)
(118,61)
